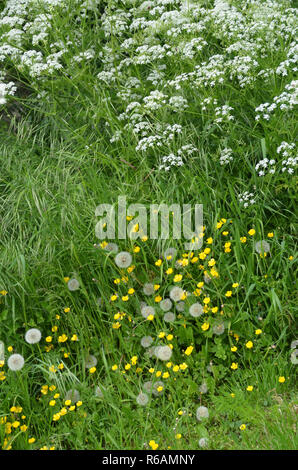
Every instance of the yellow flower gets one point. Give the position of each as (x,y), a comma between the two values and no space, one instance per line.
(188,350)
(205,326)
(79,403)
(249,388)
(67,402)
(242,427)
(270,234)
(125,298)
(183,366)
(62,338)
(134,360)
(153,445)
(251,232)
(228,293)
(235,285)
(151,370)
(158,373)
(131,291)
(3,292)
(92,370)
(209,240)
(74,338)
(114,367)
(233,395)
(67,309)
(63,411)
(158,298)
(136,249)
(178,436)
(158,262)
(206,300)
(24,428)
(127,366)
(56,416)
(170,337)
(281,379)
(16,424)
(169,271)
(159,389)
(150,317)
(165,375)
(234,365)
(258,332)
(31,440)
(233,348)
(249,344)
(113,297)
(176,368)
(10,349)
(54,328)
(212,262)
(52,403)
(177,277)
(243,239)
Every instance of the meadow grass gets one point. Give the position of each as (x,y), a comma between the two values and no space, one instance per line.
(69,142)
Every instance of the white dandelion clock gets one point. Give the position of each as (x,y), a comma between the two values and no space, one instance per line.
(203,442)
(15,362)
(163,353)
(73,395)
(294,356)
(90,361)
(180,306)
(196,310)
(169,317)
(165,304)
(33,336)
(150,352)
(176,293)
(111,247)
(147,310)
(146,341)
(2,347)
(294,344)
(73,284)
(218,329)
(202,413)
(148,289)
(158,388)
(142,399)
(262,247)
(203,388)
(147,386)
(170,252)
(123,259)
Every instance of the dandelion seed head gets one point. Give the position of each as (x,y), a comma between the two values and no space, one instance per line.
(262,247)
(203,442)
(33,336)
(148,289)
(90,361)
(176,293)
(165,305)
(73,395)
(147,310)
(202,413)
(163,353)
(142,399)
(123,259)
(196,310)
(218,328)
(15,362)
(146,341)
(73,284)
(169,317)
(180,306)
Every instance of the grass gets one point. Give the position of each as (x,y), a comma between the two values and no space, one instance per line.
(58,164)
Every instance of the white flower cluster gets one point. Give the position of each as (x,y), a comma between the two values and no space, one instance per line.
(169,161)
(265,166)
(6,89)
(246,199)
(226,156)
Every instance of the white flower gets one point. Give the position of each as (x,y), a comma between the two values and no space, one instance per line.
(294,356)
(147,310)
(176,293)
(73,284)
(165,305)
(142,399)
(262,246)
(203,442)
(123,259)
(99,391)
(163,353)
(148,289)
(15,362)
(202,413)
(180,306)
(196,310)
(72,395)
(90,361)
(33,336)
(218,328)
(169,317)
(146,341)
